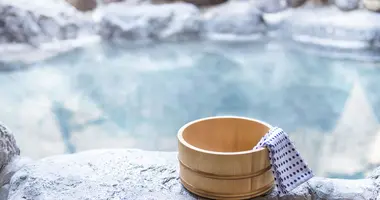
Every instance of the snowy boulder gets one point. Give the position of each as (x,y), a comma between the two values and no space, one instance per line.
(135,174)
(166,22)
(347,5)
(8,146)
(234,20)
(30,22)
(271,6)
(9,152)
(8,171)
(330,27)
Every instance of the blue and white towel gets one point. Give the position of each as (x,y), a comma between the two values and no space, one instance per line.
(288,168)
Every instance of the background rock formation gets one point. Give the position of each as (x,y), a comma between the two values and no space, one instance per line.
(31,22)
(179,21)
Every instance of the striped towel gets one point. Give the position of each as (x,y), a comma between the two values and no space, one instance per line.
(288,168)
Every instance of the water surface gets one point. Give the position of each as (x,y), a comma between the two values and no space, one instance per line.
(138,97)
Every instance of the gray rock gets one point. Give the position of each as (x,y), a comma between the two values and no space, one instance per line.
(49,26)
(332,189)
(135,2)
(330,27)
(135,174)
(375,175)
(204,3)
(14,165)
(83,5)
(8,147)
(271,6)
(347,5)
(9,162)
(234,20)
(4,191)
(111,1)
(16,55)
(274,21)
(295,3)
(7,173)
(169,22)
(23,21)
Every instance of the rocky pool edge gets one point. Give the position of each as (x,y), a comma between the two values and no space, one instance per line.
(133,174)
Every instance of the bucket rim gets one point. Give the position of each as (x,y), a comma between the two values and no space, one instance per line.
(188,145)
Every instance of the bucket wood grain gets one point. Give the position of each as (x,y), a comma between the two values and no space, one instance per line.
(217,161)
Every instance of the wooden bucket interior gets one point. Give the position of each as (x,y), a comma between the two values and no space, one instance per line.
(225,134)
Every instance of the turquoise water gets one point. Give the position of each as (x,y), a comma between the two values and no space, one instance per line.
(138,97)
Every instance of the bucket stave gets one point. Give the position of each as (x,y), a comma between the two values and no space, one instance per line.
(217,161)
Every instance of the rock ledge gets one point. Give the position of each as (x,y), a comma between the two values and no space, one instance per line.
(136,174)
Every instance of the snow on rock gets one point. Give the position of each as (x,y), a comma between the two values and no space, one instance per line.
(174,22)
(135,174)
(36,22)
(234,20)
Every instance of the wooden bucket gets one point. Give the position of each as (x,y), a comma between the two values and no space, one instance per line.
(217,161)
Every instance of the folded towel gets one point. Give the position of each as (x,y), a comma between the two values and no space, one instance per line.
(288,168)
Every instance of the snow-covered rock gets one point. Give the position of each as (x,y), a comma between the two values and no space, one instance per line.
(31,22)
(134,174)
(330,27)
(10,161)
(8,146)
(347,5)
(173,22)
(234,21)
